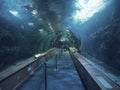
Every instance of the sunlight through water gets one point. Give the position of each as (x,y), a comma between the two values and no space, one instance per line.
(13,12)
(88,8)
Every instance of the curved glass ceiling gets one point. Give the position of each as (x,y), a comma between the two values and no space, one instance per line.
(88,8)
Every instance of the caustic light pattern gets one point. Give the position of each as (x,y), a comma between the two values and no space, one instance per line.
(87,8)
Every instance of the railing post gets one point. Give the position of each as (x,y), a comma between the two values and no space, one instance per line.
(45,76)
(56,66)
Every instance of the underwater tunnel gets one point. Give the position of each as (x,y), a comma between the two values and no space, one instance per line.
(59,45)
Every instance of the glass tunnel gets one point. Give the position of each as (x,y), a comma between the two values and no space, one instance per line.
(59,44)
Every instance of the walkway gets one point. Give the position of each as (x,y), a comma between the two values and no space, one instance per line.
(60,76)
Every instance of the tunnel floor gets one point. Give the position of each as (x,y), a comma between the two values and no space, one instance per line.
(60,76)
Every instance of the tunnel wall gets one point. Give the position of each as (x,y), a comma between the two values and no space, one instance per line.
(11,80)
(90,76)
(23,31)
(100,36)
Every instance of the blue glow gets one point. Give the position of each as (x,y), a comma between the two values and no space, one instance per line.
(16,8)
(87,9)
(63,39)
(13,12)
(31,24)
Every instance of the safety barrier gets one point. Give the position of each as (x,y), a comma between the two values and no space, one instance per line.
(12,77)
(91,77)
